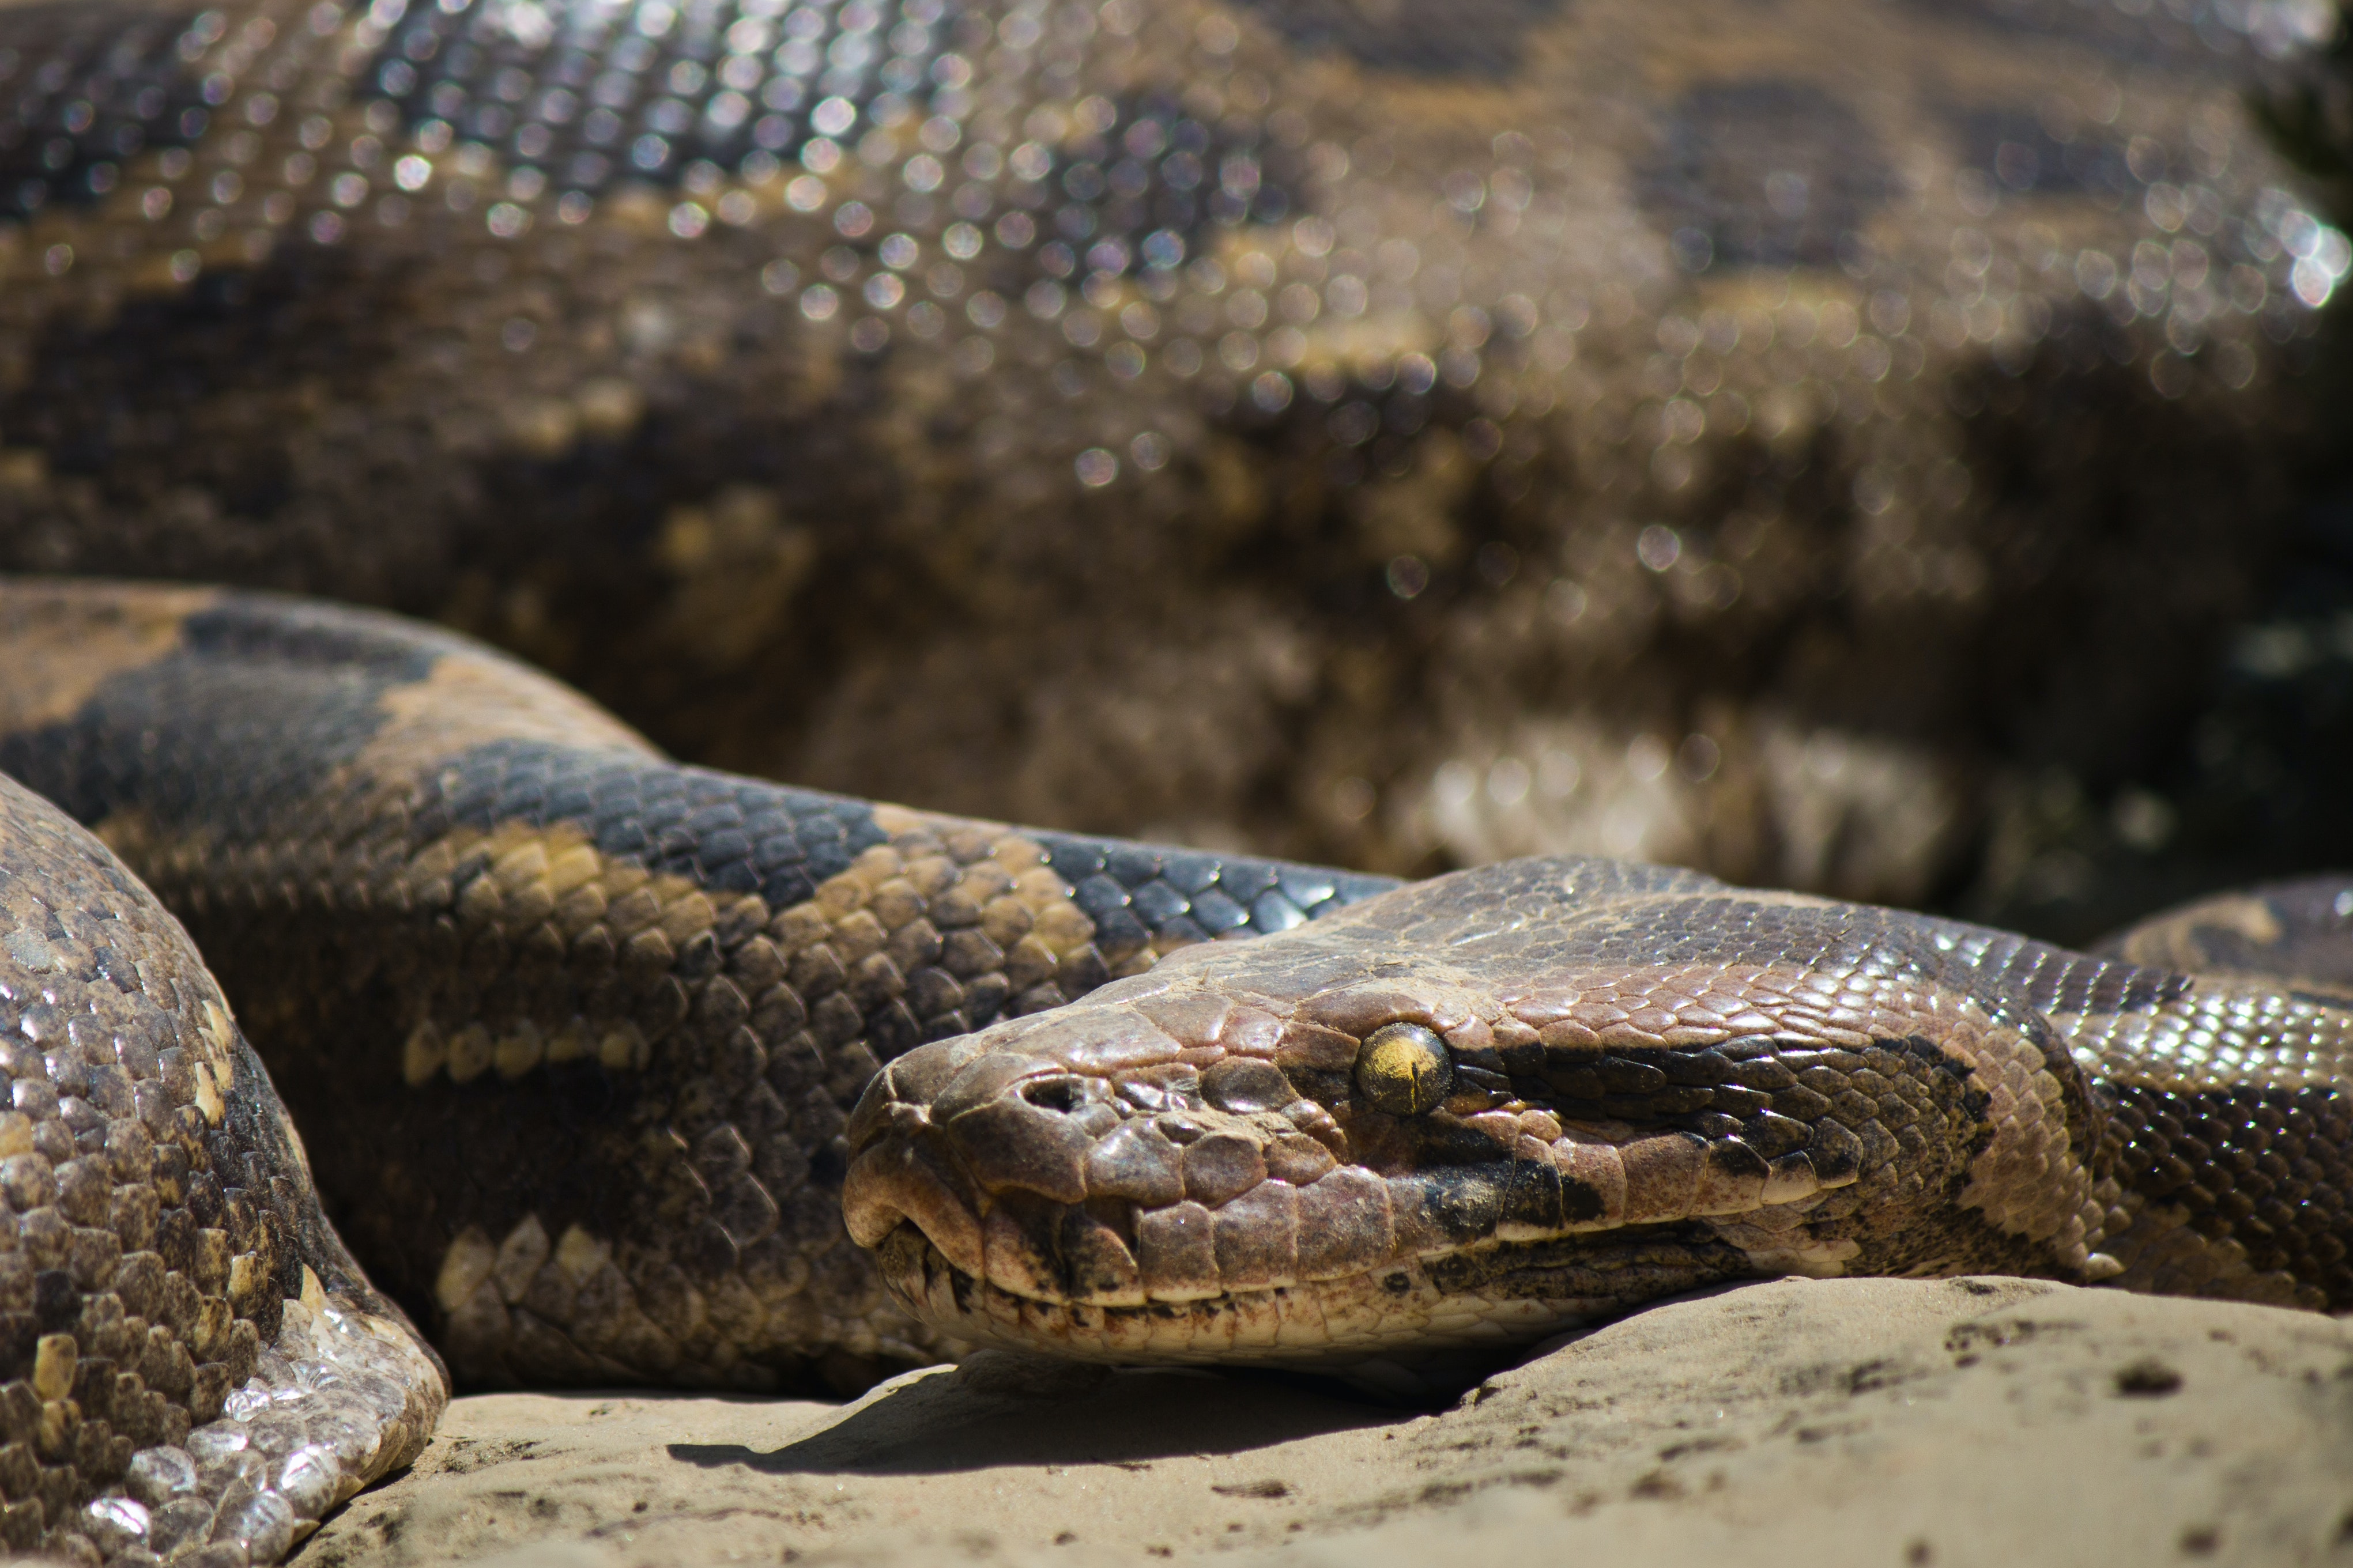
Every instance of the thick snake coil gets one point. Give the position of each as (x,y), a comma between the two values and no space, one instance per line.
(571,1033)
(574,1033)
(191,1358)
(1269,416)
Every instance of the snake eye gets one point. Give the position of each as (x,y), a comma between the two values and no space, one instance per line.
(1404,1069)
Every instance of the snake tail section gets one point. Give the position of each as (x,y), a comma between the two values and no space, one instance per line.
(191,1367)
(573,1030)
(1626,1081)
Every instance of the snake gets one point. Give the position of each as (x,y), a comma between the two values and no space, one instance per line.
(571,1033)
(1213,419)
(1282,397)
(608,1068)
(1485,1109)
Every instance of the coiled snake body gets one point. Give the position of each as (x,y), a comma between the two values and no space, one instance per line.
(807,374)
(573,1033)
(579,1027)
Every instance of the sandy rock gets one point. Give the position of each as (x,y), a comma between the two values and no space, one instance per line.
(1965,1421)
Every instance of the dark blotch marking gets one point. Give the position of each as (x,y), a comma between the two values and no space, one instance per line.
(261,702)
(239,730)
(1134,892)
(1464,1204)
(167,392)
(2014,148)
(1535,1196)
(2263,1165)
(735,835)
(1774,174)
(1580,1202)
(2054,980)
(1481,39)
(2101,29)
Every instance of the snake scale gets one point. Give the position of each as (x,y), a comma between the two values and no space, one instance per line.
(801,371)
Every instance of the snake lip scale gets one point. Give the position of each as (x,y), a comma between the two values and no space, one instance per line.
(1657,1083)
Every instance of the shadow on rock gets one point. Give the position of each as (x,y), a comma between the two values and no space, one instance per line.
(986,1414)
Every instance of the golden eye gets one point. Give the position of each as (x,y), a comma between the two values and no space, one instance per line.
(1404,1069)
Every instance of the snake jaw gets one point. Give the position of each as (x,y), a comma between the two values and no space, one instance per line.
(1195,1203)
(1208,1142)
(1166,1153)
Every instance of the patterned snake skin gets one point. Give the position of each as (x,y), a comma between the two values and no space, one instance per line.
(572,1031)
(1280,398)
(577,1037)
(1225,417)
(193,1362)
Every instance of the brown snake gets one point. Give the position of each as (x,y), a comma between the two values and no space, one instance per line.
(1303,403)
(572,1031)
(1483,1109)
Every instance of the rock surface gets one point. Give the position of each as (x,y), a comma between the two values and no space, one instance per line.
(1960,1421)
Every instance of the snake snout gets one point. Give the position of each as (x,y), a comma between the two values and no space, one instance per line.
(976,1148)
(1112,1167)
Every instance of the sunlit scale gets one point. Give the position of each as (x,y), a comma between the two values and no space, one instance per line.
(2222,1036)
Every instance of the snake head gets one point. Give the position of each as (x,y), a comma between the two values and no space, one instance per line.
(1469,1111)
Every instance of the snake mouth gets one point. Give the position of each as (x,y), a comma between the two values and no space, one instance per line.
(1405,1312)
(1039,1200)
(1009,1199)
